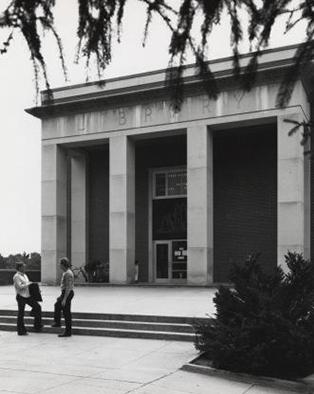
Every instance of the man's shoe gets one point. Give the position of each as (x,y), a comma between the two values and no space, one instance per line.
(55,325)
(22,333)
(64,335)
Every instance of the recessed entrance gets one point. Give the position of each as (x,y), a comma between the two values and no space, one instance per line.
(169,224)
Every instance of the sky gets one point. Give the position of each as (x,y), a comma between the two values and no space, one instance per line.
(20,133)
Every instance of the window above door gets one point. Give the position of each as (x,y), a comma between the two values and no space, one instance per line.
(169,183)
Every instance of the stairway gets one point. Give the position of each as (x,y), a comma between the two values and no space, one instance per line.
(112,325)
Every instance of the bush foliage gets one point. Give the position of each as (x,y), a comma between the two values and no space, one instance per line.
(264,325)
(32,261)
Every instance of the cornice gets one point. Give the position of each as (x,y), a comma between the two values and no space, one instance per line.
(152,85)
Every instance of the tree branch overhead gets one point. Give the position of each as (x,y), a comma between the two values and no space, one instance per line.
(190,26)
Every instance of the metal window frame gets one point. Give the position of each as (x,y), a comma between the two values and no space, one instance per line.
(166,171)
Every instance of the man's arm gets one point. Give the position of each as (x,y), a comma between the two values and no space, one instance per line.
(20,284)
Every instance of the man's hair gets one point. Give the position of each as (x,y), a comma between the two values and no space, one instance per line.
(19,265)
(65,262)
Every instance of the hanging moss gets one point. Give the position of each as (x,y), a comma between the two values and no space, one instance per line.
(190,24)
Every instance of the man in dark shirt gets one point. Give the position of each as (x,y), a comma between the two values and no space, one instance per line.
(64,300)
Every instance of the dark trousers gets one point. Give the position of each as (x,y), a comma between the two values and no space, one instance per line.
(36,312)
(66,312)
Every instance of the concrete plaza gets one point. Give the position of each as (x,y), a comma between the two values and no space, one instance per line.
(44,363)
(165,301)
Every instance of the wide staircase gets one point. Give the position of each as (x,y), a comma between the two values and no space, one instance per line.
(113,325)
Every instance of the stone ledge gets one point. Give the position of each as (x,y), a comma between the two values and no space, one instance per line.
(305,385)
(144,284)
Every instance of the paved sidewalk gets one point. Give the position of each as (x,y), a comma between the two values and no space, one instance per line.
(167,301)
(46,364)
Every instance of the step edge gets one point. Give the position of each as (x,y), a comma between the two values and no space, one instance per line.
(180,325)
(94,329)
(103,316)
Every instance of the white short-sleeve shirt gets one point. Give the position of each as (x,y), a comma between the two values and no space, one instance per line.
(20,282)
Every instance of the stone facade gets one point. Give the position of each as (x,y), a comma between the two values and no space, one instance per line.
(127,112)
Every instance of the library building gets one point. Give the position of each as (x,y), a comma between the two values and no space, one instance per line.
(129,184)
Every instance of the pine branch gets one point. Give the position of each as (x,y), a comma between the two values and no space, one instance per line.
(2,20)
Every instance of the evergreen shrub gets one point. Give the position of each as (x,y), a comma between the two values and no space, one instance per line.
(264,324)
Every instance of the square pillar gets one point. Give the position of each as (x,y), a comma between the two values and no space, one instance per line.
(122,209)
(293,191)
(200,205)
(78,209)
(54,212)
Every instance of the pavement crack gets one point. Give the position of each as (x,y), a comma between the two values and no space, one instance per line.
(249,388)
(57,385)
(151,382)
(145,355)
(111,379)
(42,372)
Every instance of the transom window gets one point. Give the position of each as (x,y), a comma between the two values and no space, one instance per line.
(170,183)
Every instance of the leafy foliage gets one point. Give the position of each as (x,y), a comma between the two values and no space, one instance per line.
(26,16)
(306,133)
(97,271)
(265,324)
(32,260)
(190,24)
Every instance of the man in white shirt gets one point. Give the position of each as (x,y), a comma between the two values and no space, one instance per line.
(23,297)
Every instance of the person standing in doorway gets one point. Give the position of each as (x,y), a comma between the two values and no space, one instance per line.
(23,297)
(136,269)
(63,302)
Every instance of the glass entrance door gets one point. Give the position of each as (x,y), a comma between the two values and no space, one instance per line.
(162,259)
(170,261)
(179,261)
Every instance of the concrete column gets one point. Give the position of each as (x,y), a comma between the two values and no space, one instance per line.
(78,209)
(200,205)
(54,231)
(122,209)
(293,191)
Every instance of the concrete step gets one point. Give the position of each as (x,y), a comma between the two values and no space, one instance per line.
(108,332)
(115,325)
(123,324)
(118,317)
